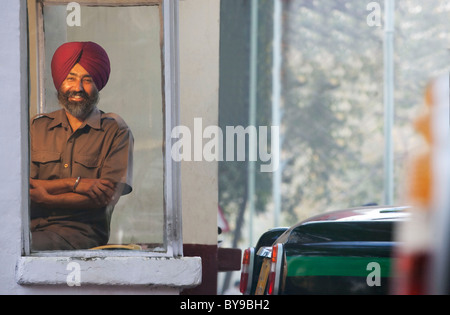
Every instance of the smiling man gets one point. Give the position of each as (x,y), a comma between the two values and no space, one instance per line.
(81,157)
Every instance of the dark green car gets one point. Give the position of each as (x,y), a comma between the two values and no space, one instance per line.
(342,252)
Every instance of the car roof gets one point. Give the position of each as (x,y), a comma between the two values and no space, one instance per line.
(359,214)
(370,213)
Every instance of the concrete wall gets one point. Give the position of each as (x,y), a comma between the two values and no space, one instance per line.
(199,68)
(13,137)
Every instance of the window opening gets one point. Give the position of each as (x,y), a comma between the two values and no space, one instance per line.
(140,39)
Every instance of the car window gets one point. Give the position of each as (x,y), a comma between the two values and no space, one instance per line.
(377,231)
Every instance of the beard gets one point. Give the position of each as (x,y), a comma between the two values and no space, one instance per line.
(79,109)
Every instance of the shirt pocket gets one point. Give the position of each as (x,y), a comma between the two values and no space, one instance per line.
(47,164)
(86,166)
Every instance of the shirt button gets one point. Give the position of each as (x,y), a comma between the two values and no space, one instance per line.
(66,165)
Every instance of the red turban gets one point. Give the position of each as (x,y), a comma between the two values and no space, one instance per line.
(91,56)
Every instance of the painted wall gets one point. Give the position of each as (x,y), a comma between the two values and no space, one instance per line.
(13,138)
(199,70)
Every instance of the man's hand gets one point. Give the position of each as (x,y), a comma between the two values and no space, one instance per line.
(101,191)
(38,194)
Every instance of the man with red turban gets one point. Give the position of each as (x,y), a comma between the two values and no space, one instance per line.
(81,157)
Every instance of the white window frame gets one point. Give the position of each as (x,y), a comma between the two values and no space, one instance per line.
(108,267)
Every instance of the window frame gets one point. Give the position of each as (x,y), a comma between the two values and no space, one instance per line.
(172,238)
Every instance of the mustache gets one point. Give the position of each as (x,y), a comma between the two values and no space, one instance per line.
(79,93)
(63,97)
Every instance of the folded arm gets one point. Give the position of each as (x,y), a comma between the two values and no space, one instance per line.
(60,193)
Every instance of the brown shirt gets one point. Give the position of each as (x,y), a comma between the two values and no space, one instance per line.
(101,148)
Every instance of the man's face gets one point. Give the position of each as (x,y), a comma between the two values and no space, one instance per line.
(78,93)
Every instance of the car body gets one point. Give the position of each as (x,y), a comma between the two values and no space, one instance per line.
(348,251)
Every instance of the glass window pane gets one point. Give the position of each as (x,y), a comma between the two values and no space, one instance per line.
(333,107)
(131,36)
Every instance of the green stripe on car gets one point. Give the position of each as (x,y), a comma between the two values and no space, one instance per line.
(337,266)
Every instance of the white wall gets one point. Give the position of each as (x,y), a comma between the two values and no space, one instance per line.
(13,137)
(199,69)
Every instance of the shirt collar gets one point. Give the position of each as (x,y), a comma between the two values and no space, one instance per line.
(59,118)
(94,119)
